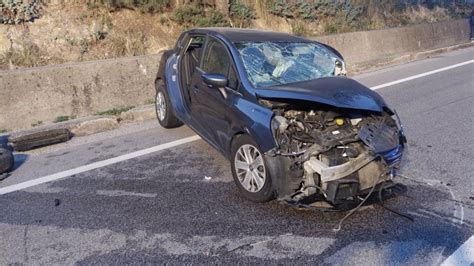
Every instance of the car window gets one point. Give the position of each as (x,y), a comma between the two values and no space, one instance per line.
(217,61)
(197,40)
(195,50)
(274,63)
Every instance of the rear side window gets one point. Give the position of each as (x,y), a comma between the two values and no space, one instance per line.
(217,61)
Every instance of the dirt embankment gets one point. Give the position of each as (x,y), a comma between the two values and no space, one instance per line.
(71,32)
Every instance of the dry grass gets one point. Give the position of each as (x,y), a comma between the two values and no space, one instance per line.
(26,55)
(128,43)
(94,32)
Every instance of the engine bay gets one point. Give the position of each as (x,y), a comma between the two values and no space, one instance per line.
(336,153)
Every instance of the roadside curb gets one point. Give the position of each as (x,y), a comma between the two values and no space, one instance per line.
(140,113)
(392,61)
(23,140)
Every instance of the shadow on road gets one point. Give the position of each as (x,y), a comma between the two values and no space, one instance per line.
(166,212)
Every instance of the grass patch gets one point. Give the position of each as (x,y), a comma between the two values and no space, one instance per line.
(299,28)
(115,111)
(37,123)
(28,55)
(2,130)
(63,118)
(150,101)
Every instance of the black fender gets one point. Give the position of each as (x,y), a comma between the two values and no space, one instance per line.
(285,180)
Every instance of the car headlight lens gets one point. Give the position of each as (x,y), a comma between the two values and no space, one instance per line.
(340,68)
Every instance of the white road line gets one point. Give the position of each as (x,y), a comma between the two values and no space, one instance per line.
(421,75)
(96,165)
(172,144)
(464,255)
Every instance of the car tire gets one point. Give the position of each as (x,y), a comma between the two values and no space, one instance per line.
(6,160)
(164,111)
(254,182)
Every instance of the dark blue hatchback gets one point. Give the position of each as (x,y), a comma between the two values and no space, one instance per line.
(281,109)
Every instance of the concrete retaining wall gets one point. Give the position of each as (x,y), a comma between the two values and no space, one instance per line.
(369,47)
(44,93)
(80,89)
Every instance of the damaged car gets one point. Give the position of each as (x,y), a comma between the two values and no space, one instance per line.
(283,112)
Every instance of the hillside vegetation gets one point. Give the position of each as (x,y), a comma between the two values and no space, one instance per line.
(34,33)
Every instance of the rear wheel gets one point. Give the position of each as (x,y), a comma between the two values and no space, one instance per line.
(164,112)
(250,170)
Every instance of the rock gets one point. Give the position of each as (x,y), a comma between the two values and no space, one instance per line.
(140,113)
(94,125)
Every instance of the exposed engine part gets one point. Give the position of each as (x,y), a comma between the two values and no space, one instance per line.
(342,155)
(330,173)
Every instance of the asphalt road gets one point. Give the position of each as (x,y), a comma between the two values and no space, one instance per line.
(179,205)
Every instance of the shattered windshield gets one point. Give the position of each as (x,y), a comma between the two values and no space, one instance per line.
(274,63)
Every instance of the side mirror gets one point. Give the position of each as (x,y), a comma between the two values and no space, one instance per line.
(215,80)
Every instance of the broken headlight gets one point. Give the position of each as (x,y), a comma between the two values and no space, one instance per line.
(339,68)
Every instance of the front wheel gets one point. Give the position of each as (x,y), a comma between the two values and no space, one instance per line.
(250,170)
(164,112)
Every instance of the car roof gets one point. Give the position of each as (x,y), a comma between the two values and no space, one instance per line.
(237,35)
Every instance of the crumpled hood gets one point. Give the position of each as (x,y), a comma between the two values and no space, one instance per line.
(335,91)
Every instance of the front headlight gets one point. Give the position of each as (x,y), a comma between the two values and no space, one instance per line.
(340,68)
(279,124)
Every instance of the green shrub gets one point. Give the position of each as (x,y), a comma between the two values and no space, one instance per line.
(187,14)
(37,123)
(84,46)
(294,9)
(212,18)
(241,14)
(63,118)
(150,6)
(115,111)
(299,28)
(195,15)
(19,11)
(280,8)
(332,27)
(312,10)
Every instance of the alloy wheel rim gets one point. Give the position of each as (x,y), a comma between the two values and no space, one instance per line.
(160,106)
(250,168)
